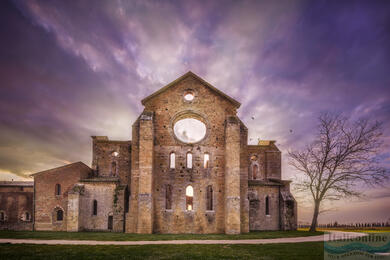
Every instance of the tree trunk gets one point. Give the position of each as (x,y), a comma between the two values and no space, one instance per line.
(315,216)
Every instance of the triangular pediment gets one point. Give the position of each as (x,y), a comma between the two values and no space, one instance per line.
(191,74)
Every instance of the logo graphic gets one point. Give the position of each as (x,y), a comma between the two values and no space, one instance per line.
(371,246)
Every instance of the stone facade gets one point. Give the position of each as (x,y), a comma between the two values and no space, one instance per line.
(16,205)
(161,182)
(52,188)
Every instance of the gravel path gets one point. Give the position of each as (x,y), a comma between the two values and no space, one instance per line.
(331,236)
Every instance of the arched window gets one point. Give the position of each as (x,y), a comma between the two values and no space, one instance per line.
(206,160)
(27,216)
(168,197)
(189,160)
(58,189)
(209,198)
(60,215)
(267,205)
(2,216)
(113,169)
(255,170)
(172,161)
(189,197)
(94,206)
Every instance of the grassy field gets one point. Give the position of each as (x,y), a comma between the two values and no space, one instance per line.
(310,250)
(108,236)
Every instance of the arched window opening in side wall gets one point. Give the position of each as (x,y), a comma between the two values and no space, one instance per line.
(127,199)
(267,206)
(168,197)
(206,160)
(27,216)
(60,215)
(58,190)
(113,168)
(209,198)
(189,160)
(95,205)
(2,216)
(172,160)
(189,197)
(255,170)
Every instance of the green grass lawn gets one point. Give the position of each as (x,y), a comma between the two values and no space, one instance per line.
(109,236)
(309,250)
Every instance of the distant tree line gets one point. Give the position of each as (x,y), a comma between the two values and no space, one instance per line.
(351,225)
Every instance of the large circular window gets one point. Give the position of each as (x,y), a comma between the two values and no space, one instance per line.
(189,130)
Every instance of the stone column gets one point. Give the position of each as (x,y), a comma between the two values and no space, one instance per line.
(232,176)
(119,212)
(145,187)
(73,217)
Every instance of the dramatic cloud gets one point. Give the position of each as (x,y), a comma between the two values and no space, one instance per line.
(72,69)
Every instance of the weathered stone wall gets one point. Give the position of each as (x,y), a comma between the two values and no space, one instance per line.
(167,108)
(288,209)
(104,193)
(118,210)
(111,158)
(131,217)
(274,164)
(16,188)
(267,158)
(232,177)
(257,213)
(145,187)
(15,201)
(47,202)
(244,179)
(268,182)
(73,216)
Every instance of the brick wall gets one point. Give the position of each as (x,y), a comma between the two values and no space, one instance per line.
(259,220)
(111,158)
(15,202)
(47,202)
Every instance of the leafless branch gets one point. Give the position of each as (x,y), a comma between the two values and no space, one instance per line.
(342,156)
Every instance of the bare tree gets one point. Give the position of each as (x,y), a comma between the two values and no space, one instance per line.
(342,156)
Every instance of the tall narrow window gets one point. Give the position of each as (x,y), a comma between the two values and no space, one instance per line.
(60,215)
(168,197)
(27,216)
(113,168)
(58,190)
(206,160)
(127,199)
(189,197)
(110,222)
(94,212)
(255,170)
(267,205)
(189,160)
(2,216)
(209,198)
(172,161)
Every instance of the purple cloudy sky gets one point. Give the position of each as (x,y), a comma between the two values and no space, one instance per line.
(72,69)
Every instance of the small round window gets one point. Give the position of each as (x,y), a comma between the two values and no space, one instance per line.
(189,96)
(189,130)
